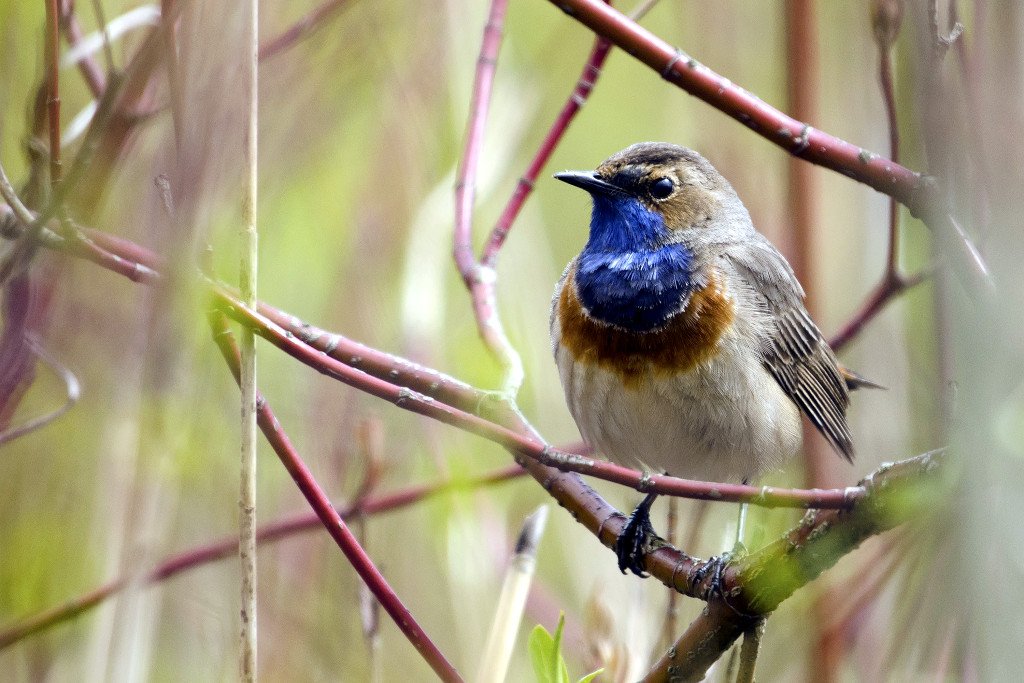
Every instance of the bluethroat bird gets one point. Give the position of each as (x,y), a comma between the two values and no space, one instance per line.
(680,333)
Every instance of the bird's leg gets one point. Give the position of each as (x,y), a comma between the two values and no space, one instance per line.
(738,549)
(636,533)
(715,566)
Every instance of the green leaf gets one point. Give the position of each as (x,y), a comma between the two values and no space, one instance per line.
(546,655)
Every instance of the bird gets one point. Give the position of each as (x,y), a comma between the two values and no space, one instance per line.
(680,333)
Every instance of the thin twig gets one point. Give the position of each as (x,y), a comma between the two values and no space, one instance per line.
(52,61)
(247,344)
(10,195)
(480,278)
(330,518)
(524,186)
(578,97)
(72,390)
(920,194)
(886,20)
(301,29)
(84,157)
(90,70)
(885,291)
(224,548)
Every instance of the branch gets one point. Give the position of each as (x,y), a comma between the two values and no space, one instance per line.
(247,277)
(300,29)
(52,61)
(796,137)
(480,278)
(886,18)
(891,286)
(920,194)
(330,518)
(90,70)
(228,546)
(578,97)
(757,584)
(530,447)
(72,390)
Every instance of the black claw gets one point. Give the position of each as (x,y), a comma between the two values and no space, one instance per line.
(716,566)
(636,534)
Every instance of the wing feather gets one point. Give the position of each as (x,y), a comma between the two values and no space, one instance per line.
(793,350)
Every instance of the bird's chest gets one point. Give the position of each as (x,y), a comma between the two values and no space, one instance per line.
(722,421)
(635,290)
(690,397)
(687,338)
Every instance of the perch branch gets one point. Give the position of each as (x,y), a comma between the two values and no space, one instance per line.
(755,585)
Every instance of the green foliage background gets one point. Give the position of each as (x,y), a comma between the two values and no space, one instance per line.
(361,130)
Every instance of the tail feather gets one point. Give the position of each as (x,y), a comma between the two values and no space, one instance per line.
(856,381)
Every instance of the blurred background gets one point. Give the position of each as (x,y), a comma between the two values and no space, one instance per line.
(362,123)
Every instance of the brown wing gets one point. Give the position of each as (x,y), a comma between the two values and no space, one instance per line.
(807,370)
(794,351)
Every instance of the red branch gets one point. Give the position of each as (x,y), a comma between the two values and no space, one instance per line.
(465,187)
(920,194)
(886,23)
(90,70)
(414,401)
(52,61)
(479,279)
(300,29)
(330,518)
(228,547)
(886,18)
(885,291)
(584,86)
(796,137)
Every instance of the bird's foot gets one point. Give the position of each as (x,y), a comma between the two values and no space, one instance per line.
(715,568)
(636,536)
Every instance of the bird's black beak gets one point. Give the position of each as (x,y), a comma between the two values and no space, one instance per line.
(589,181)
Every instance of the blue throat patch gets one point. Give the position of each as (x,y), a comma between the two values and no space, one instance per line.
(626,275)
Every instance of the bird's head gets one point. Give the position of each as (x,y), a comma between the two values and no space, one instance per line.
(655,193)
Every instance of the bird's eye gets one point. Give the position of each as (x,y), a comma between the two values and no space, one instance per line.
(661,188)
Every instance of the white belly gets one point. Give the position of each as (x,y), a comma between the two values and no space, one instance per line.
(726,420)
